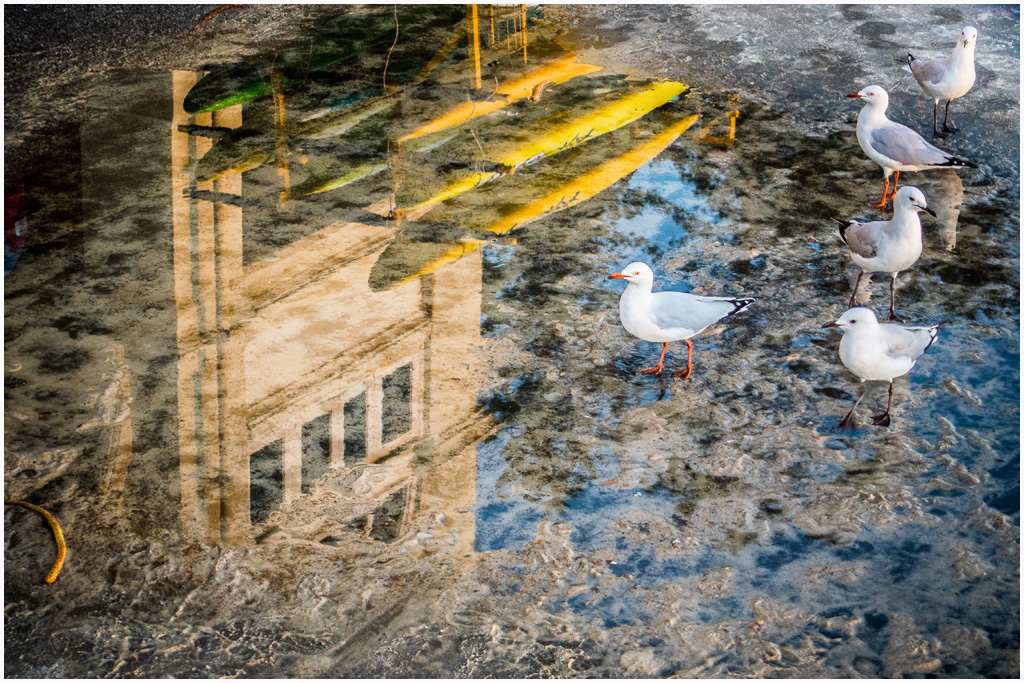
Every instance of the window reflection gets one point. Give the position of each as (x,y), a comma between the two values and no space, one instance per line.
(316,450)
(266,489)
(355,430)
(397,406)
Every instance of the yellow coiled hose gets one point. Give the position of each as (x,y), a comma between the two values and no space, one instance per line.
(57,534)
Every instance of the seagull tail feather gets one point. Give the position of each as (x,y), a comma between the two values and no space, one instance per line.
(956,162)
(933,331)
(739,304)
(843,226)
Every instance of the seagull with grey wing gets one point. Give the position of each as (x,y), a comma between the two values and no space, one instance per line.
(878,351)
(887,246)
(947,78)
(668,316)
(892,145)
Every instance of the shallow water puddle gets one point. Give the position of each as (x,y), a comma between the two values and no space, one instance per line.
(316,355)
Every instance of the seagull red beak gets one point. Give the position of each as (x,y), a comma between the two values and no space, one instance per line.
(616,276)
(853,94)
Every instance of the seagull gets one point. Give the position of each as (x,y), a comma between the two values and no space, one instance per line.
(668,316)
(893,146)
(878,351)
(887,246)
(947,78)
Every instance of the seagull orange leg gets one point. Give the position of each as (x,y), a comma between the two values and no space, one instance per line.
(895,181)
(885,195)
(656,370)
(685,373)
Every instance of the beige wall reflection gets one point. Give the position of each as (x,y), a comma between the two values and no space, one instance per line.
(945,194)
(291,367)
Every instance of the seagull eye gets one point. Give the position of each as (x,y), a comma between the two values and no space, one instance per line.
(853,322)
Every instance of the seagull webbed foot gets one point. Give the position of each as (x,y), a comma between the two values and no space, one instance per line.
(895,317)
(937,134)
(881,420)
(683,374)
(656,370)
(946,128)
(847,423)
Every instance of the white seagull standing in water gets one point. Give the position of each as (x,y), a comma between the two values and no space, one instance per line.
(947,78)
(892,145)
(668,316)
(887,246)
(878,351)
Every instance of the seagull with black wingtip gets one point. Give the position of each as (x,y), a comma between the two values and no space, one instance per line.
(668,316)
(878,351)
(892,145)
(947,78)
(887,246)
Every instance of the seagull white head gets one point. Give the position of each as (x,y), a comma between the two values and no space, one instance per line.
(855,318)
(874,94)
(969,36)
(636,272)
(912,198)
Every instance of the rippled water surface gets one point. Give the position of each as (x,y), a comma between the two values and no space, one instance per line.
(313,354)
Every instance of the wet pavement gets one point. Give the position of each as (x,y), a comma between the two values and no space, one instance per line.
(310,347)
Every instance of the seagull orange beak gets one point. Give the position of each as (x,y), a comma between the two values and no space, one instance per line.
(853,94)
(616,276)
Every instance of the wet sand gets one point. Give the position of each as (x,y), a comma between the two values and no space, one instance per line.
(505,496)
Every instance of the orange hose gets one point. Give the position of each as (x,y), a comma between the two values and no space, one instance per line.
(57,534)
(210,15)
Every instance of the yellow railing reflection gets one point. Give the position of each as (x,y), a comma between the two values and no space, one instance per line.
(281,141)
(475,42)
(586,186)
(704,135)
(412,255)
(556,71)
(522,10)
(549,137)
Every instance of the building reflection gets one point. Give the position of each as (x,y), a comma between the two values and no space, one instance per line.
(291,368)
(339,363)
